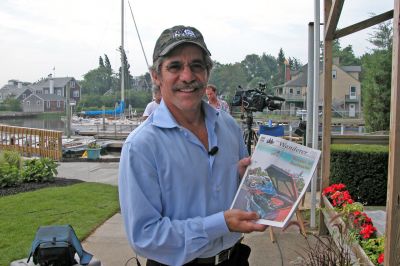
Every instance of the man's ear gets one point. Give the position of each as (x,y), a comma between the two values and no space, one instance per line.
(156,78)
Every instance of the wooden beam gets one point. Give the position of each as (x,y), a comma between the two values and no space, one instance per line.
(363,24)
(392,240)
(333,19)
(327,116)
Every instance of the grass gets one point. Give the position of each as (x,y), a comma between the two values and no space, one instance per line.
(84,206)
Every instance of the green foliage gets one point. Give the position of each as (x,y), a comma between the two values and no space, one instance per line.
(11,104)
(376,90)
(84,206)
(373,247)
(39,170)
(9,175)
(376,82)
(13,158)
(93,145)
(363,168)
(349,208)
(346,55)
(10,164)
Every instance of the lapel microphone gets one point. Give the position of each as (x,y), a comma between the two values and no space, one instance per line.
(213,151)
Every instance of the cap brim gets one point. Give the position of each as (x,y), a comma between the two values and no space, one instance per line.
(170,47)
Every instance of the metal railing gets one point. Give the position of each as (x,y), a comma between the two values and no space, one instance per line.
(32,141)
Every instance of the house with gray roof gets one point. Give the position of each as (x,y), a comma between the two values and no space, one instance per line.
(15,89)
(49,93)
(43,103)
(346,91)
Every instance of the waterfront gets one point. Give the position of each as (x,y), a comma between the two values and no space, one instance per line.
(51,122)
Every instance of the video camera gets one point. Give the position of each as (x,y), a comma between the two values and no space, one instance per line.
(256,99)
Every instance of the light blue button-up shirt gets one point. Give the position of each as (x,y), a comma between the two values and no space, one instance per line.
(173,193)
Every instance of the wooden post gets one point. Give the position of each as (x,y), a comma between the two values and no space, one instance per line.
(327,113)
(392,240)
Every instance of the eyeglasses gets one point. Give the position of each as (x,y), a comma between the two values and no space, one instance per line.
(177,67)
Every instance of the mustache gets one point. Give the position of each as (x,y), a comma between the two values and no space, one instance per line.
(196,85)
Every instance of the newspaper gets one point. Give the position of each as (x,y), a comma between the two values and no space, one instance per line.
(276,180)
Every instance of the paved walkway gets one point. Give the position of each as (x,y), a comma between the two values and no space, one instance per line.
(109,244)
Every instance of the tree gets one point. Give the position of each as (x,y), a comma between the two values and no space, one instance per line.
(346,55)
(109,72)
(101,62)
(11,104)
(281,66)
(382,36)
(376,82)
(127,75)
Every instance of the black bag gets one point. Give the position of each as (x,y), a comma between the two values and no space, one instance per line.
(56,246)
(55,254)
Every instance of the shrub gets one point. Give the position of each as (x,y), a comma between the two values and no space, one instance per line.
(9,175)
(363,168)
(10,164)
(13,158)
(39,170)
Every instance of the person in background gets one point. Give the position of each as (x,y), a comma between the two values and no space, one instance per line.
(151,106)
(211,92)
(180,169)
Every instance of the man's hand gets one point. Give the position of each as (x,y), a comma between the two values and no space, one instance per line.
(242,221)
(242,165)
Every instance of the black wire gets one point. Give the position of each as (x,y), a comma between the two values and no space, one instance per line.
(280,250)
(134,257)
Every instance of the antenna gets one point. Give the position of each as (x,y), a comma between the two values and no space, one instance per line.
(137,31)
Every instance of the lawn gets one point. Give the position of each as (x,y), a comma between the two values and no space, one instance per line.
(84,206)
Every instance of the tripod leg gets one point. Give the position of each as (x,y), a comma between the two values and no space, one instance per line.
(248,142)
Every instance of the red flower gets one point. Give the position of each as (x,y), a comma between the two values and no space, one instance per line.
(381,258)
(367,230)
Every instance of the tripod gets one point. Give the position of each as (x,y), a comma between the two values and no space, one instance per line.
(249,135)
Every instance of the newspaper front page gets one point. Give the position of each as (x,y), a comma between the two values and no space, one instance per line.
(276,180)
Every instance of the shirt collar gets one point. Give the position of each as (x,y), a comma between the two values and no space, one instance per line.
(163,118)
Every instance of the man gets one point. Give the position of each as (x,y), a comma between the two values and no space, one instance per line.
(179,170)
(151,106)
(211,92)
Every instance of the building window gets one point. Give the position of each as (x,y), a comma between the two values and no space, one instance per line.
(58,104)
(334,74)
(28,103)
(23,96)
(48,104)
(38,92)
(72,83)
(59,92)
(290,91)
(298,92)
(75,93)
(353,92)
(46,92)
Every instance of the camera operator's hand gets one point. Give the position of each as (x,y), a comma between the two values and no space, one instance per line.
(242,165)
(243,221)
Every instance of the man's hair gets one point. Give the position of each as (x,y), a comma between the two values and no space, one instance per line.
(212,86)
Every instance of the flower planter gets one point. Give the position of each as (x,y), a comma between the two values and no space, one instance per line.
(93,154)
(358,256)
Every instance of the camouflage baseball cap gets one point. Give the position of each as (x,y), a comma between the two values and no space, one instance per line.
(171,38)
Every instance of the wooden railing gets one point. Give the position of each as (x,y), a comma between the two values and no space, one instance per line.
(32,141)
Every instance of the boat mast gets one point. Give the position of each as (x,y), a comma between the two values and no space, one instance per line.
(122,52)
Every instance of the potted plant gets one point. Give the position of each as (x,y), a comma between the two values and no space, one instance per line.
(340,209)
(93,151)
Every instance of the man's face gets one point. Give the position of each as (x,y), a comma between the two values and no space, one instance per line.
(157,96)
(211,95)
(183,79)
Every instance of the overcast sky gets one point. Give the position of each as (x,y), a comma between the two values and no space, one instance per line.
(70,35)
